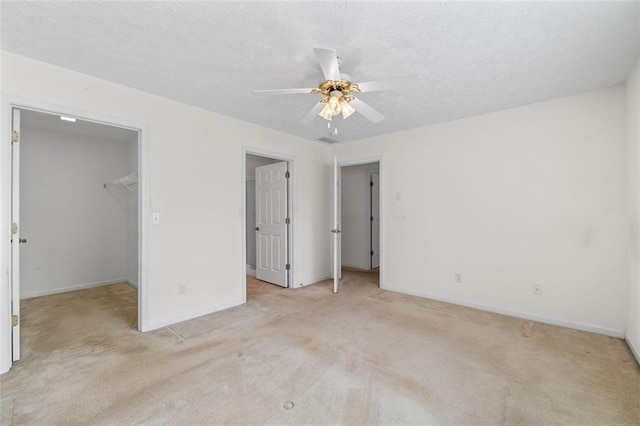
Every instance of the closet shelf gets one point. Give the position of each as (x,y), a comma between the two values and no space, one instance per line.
(125,181)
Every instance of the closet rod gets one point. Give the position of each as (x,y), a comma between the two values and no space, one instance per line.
(125,181)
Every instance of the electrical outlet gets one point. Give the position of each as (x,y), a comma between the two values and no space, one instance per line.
(155,219)
(457,277)
(537,289)
(182,289)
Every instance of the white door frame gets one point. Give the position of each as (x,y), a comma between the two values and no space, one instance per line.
(369,189)
(7,104)
(15,237)
(380,161)
(290,204)
(337,224)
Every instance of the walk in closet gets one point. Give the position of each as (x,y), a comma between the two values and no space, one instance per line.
(78,204)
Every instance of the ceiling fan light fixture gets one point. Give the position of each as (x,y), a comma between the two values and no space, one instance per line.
(326,112)
(347,109)
(334,103)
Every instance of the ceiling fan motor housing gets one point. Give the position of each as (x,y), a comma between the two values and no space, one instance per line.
(343,86)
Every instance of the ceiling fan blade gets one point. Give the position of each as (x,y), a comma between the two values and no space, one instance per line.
(328,59)
(282,91)
(368,112)
(390,84)
(313,113)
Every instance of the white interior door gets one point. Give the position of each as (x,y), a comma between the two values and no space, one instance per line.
(375,220)
(271,223)
(337,242)
(16,240)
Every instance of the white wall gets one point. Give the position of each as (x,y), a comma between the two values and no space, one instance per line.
(633,137)
(132,215)
(195,182)
(252,162)
(530,195)
(356,213)
(75,229)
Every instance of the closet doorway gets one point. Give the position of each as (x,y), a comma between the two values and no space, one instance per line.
(78,208)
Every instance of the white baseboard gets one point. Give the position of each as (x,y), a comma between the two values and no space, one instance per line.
(634,351)
(511,313)
(179,318)
(132,283)
(58,290)
(251,270)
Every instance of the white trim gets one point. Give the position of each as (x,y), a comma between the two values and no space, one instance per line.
(5,245)
(360,162)
(251,270)
(634,351)
(67,289)
(512,313)
(131,283)
(143,228)
(9,101)
(192,315)
(373,172)
(291,164)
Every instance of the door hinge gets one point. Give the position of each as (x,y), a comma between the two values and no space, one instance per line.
(287,221)
(371,218)
(287,175)
(15,136)
(371,183)
(371,252)
(287,266)
(14,228)
(14,320)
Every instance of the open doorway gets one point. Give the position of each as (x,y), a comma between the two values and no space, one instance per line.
(360,221)
(268,220)
(71,230)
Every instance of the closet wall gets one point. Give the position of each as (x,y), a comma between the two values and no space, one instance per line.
(79,234)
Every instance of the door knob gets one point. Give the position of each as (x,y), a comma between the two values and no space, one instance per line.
(22,240)
(257,228)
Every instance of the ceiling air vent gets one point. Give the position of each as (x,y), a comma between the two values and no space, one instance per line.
(327,140)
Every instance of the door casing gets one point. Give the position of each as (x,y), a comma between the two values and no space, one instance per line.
(374,211)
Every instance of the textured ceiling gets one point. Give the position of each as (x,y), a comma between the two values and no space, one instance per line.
(474,58)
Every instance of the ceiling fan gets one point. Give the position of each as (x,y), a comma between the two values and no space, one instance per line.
(338,88)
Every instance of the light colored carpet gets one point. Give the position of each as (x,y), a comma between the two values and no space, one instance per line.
(363,356)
